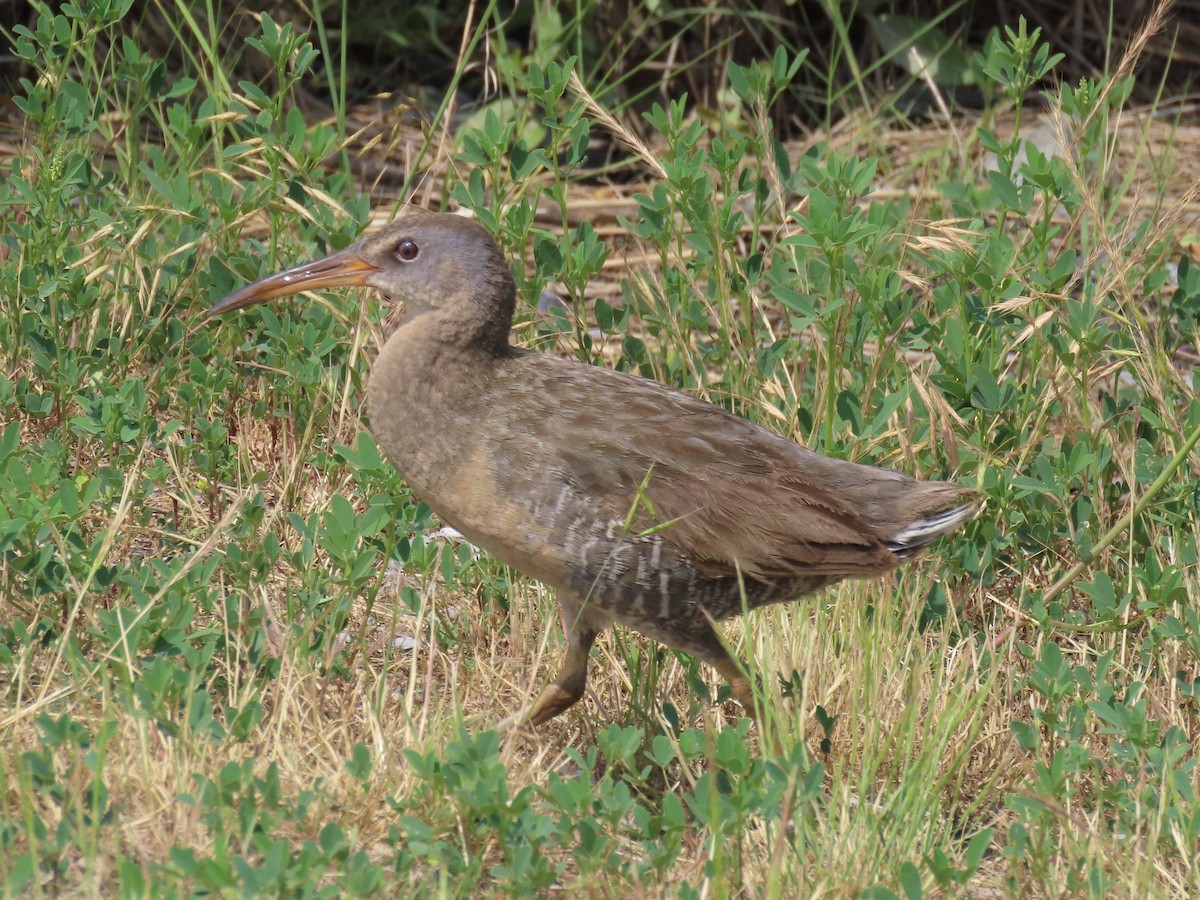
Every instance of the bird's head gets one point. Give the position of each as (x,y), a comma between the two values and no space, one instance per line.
(431,261)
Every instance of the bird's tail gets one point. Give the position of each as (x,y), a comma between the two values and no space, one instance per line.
(929,526)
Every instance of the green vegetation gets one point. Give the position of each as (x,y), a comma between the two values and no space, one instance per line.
(237,657)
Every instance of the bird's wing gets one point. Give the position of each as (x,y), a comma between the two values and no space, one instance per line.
(733,496)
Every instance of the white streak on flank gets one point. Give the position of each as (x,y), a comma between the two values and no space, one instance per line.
(614,563)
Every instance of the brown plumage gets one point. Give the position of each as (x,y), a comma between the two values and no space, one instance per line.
(638,503)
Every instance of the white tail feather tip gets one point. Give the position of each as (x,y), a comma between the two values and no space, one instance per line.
(921,532)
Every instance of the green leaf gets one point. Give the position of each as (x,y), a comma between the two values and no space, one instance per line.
(910,881)
(1006,191)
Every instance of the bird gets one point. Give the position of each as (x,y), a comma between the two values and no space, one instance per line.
(636,502)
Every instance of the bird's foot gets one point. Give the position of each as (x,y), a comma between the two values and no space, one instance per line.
(554,699)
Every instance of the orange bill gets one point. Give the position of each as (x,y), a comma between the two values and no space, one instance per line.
(336,270)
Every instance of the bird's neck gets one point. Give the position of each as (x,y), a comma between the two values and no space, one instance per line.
(431,373)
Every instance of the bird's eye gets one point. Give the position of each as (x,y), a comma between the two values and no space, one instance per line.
(407,251)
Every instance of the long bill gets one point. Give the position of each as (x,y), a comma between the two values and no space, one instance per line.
(336,270)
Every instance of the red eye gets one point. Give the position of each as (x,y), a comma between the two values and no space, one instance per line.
(407,251)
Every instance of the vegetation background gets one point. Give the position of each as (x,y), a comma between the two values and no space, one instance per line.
(237,657)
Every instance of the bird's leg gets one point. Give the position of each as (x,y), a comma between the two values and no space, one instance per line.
(581,626)
(697,637)
(739,685)
(565,690)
